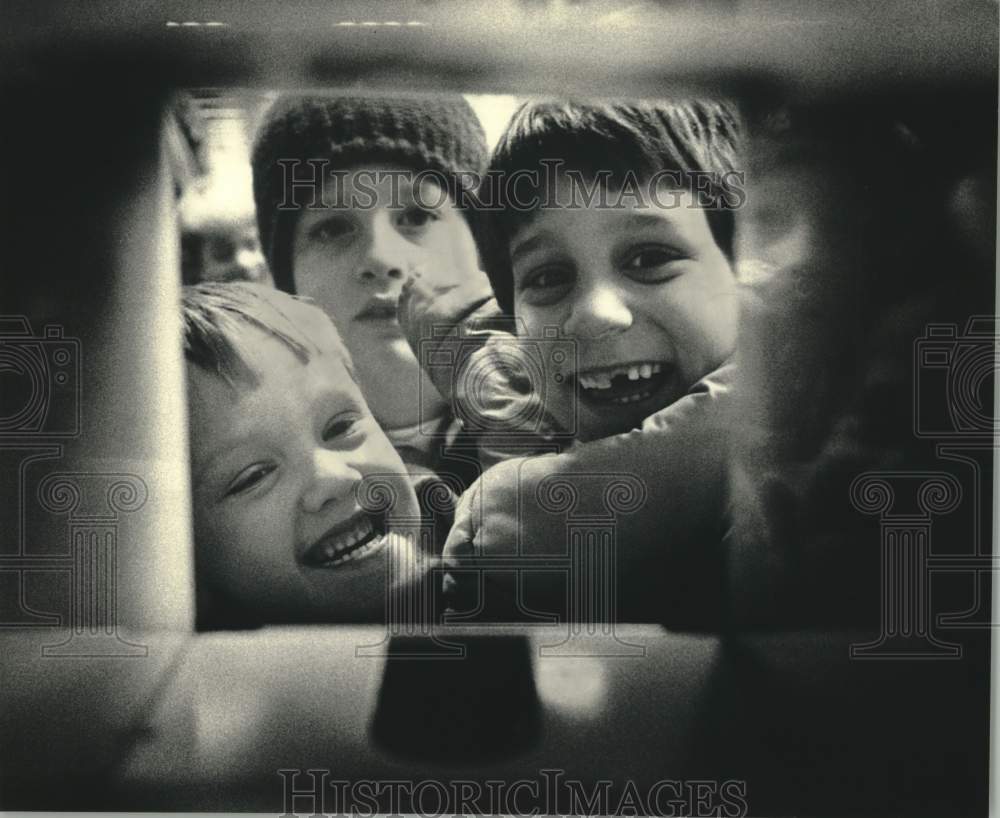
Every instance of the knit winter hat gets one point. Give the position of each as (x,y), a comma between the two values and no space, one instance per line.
(440,133)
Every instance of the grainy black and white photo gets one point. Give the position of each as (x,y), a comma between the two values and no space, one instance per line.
(529,407)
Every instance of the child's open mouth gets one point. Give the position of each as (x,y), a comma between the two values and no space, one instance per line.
(379,309)
(358,538)
(628,383)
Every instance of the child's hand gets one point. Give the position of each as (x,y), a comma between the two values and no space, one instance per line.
(457,319)
(485,531)
(662,489)
(433,305)
(512,542)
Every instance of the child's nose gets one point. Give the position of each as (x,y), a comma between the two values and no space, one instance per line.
(387,256)
(598,311)
(332,479)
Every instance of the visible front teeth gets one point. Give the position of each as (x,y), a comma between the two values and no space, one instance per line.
(602,380)
(357,553)
(599,381)
(362,528)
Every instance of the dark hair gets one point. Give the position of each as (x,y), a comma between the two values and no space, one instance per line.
(610,141)
(216,316)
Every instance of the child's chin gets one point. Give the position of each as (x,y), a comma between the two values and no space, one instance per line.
(600,424)
(597,421)
(598,416)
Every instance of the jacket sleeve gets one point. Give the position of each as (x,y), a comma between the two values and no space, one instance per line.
(662,486)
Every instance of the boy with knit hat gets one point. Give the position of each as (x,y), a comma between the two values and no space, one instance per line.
(356,195)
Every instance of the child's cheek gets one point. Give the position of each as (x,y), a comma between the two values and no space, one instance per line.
(451,254)
(531,320)
(212,532)
(230,529)
(726,309)
(709,312)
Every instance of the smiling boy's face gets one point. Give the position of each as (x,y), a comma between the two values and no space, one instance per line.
(645,292)
(276,468)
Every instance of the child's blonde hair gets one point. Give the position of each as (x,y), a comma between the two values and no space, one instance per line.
(217,315)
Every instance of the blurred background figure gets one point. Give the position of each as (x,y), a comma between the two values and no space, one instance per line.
(219,239)
(215,209)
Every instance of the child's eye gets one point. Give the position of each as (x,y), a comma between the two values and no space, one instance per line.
(330,230)
(418,217)
(647,262)
(249,478)
(546,285)
(340,427)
